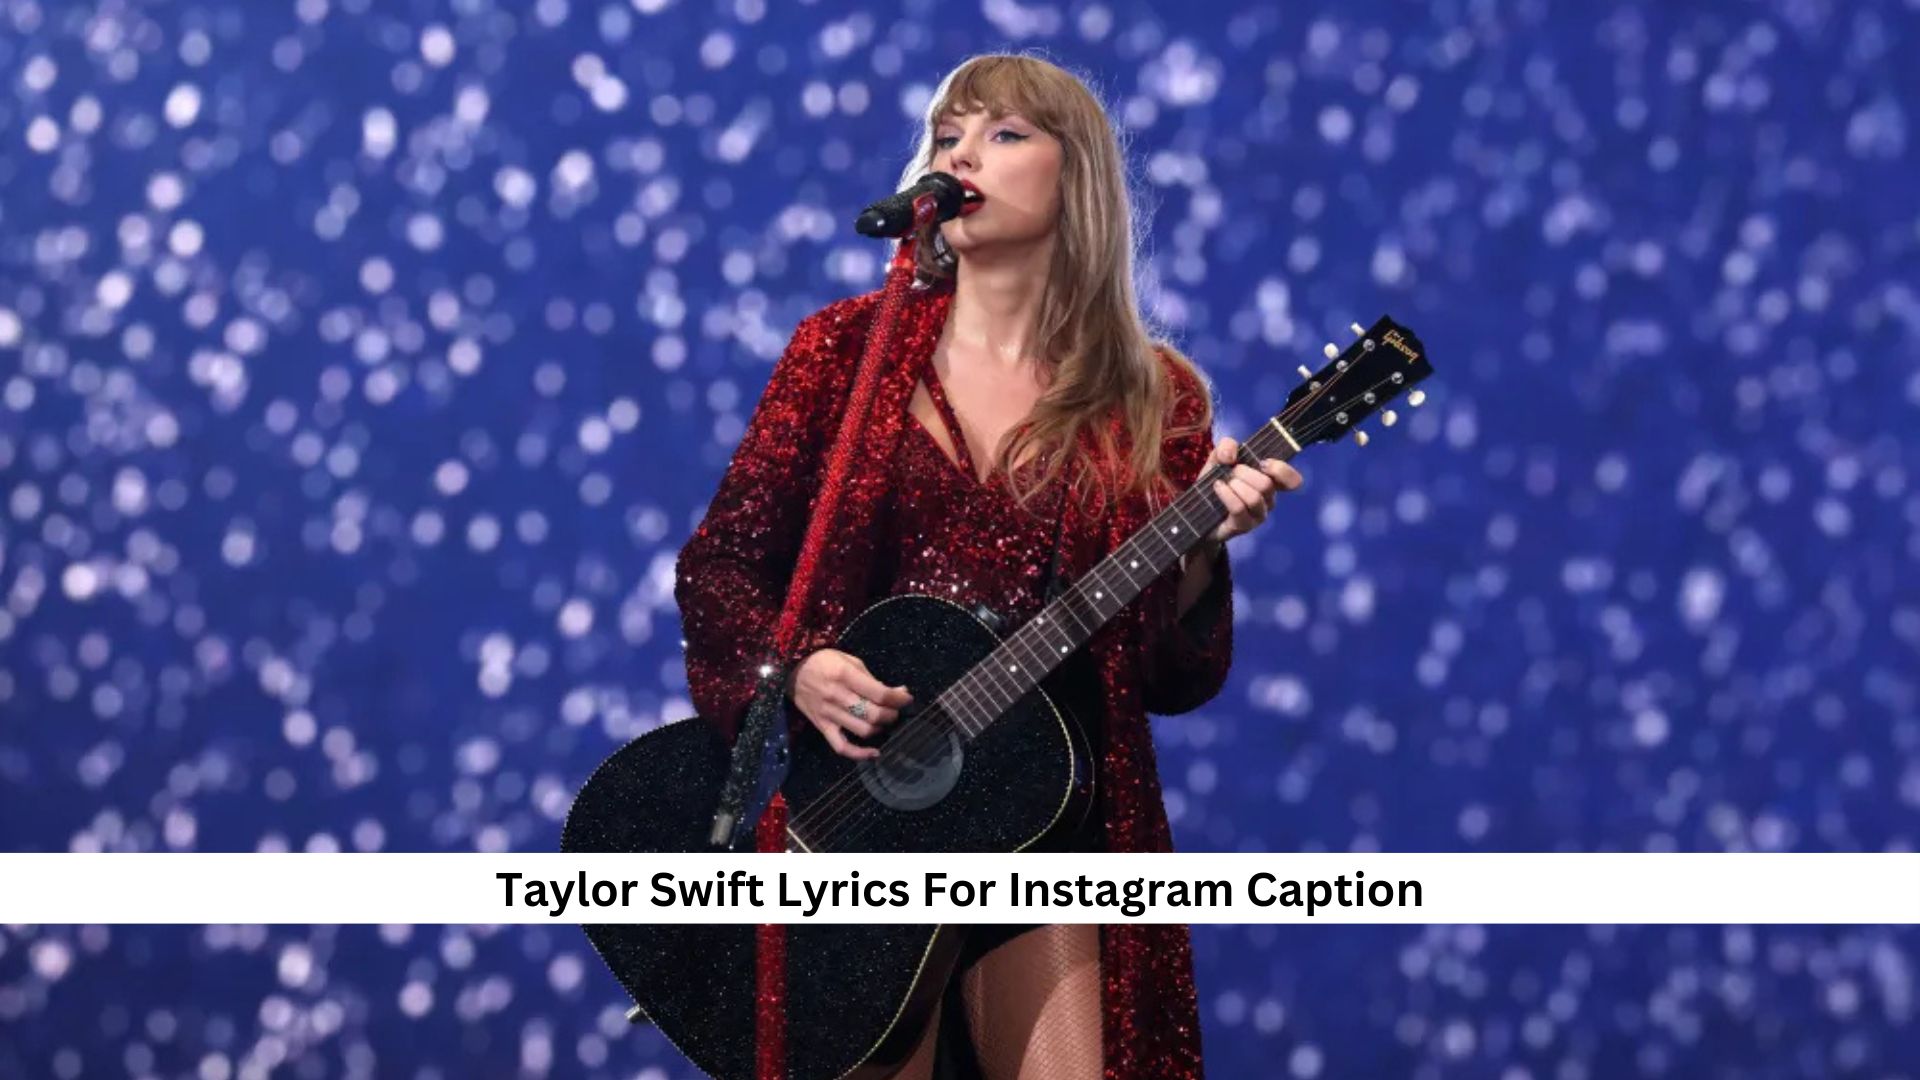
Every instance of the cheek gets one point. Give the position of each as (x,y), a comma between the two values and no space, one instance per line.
(1054,197)
(1046,179)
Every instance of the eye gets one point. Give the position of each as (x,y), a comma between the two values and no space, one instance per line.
(944,142)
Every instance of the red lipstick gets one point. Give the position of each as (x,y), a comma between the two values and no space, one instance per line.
(974,199)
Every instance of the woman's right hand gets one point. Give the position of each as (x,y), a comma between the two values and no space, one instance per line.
(827,682)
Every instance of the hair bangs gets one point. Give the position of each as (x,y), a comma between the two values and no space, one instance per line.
(1001,87)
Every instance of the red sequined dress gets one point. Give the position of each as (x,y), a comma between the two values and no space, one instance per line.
(918,522)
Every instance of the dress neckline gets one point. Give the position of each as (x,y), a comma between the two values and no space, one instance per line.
(950,419)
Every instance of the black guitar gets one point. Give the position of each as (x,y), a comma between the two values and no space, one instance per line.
(990,762)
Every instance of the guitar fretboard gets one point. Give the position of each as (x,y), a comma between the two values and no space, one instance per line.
(1030,653)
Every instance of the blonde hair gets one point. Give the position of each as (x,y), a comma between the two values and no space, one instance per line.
(1090,335)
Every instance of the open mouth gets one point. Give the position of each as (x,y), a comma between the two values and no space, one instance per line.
(973,200)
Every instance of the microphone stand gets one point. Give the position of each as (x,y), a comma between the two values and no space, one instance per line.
(760,747)
(759,763)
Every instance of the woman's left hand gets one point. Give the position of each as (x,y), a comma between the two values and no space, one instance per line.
(1248,494)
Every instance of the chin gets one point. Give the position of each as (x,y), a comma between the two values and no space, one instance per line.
(969,238)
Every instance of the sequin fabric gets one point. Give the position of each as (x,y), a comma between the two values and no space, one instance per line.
(905,525)
(770,958)
(946,533)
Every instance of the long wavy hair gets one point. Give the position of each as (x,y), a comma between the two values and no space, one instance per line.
(1098,351)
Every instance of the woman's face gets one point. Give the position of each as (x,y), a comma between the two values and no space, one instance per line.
(1014,164)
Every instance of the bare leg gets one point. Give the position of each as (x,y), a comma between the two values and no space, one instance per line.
(1034,1006)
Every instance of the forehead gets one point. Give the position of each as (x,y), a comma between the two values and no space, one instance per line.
(954,114)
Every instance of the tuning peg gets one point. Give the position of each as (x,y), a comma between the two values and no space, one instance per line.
(1330,350)
(1389,418)
(1306,372)
(1358,330)
(1359,438)
(1414,399)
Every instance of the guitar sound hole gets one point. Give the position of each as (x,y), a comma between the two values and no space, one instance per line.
(918,764)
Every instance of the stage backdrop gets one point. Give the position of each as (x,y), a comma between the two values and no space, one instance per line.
(364,365)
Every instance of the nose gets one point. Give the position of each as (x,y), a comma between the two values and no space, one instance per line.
(963,154)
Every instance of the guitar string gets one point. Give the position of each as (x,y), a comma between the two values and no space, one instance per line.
(847,821)
(923,735)
(826,811)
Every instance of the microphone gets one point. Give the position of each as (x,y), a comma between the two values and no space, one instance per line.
(937,197)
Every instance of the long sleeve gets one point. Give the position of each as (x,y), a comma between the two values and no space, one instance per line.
(1187,656)
(731,577)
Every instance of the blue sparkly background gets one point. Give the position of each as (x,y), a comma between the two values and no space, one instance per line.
(363,367)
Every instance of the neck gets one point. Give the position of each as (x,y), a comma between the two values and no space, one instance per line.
(996,302)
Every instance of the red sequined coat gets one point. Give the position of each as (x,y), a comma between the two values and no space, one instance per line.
(733,574)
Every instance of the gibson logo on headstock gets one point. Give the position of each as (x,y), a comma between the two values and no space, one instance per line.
(1394,340)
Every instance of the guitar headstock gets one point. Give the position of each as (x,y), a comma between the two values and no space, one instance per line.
(1383,362)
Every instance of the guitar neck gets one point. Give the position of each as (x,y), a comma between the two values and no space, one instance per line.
(1032,652)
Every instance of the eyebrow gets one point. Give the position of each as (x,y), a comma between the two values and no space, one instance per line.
(951,117)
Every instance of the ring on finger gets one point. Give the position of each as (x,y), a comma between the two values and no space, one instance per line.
(858,708)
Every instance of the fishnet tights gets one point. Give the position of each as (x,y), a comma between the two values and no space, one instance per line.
(1033,1008)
